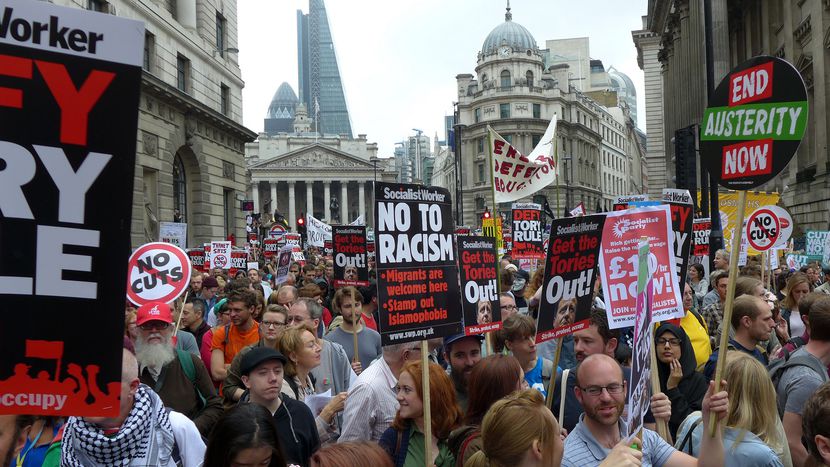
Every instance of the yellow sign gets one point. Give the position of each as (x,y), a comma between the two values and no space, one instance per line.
(728,202)
(492,228)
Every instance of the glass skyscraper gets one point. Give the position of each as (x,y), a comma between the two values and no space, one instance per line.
(319,77)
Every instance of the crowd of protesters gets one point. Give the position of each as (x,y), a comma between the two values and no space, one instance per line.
(293,373)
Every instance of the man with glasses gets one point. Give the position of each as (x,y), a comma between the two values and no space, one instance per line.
(179,378)
(508,305)
(274,322)
(601,390)
(242,331)
(334,371)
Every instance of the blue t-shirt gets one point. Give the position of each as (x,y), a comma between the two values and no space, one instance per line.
(534,377)
(583,450)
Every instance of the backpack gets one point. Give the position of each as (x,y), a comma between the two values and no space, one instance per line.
(186,362)
(777,368)
(797,342)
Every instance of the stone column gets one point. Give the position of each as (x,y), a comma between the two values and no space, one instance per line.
(344,203)
(309,198)
(274,197)
(361,200)
(327,201)
(255,195)
(292,213)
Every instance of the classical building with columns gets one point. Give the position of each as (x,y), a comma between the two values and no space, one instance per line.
(302,172)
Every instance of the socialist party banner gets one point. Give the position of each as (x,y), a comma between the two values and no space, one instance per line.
(702,227)
(479,276)
(350,267)
(317,231)
(682,216)
(69,94)
(618,264)
(416,263)
(570,274)
(517,176)
(527,231)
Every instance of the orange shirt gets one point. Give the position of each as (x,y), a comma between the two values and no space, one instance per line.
(236,340)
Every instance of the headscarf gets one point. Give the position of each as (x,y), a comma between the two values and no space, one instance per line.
(687,354)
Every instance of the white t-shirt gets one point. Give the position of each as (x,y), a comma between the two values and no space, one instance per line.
(797,326)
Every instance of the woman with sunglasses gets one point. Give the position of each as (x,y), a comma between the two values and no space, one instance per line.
(676,366)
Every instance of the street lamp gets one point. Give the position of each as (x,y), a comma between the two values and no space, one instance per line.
(374,161)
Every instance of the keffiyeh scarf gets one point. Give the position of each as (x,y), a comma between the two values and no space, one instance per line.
(145,437)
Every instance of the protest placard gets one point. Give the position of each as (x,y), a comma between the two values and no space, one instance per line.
(157,272)
(220,255)
(816,240)
(317,231)
(270,247)
(69,111)
(579,210)
(621,202)
(239,261)
(527,231)
(350,261)
(283,263)
(292,238)
(682,217)
(416,263)
(479,283)
(639,393)
(197,258)
(568,285)
(618,264)
(702,227)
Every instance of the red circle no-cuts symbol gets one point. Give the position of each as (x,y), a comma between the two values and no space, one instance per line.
(157,272)
(220,261)
(763,229)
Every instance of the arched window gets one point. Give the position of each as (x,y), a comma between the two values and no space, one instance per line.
(529,76)
(505,79)
(179,190)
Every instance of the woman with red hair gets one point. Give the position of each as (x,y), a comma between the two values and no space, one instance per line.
(404,440)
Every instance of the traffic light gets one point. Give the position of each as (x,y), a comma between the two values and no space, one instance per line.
(486,214)
(685,159)
(301,228)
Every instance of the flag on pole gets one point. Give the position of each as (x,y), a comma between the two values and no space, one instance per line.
(517,176)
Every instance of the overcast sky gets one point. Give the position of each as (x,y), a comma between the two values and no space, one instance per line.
(398,60)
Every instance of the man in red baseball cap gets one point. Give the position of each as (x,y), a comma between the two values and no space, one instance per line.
(180,378)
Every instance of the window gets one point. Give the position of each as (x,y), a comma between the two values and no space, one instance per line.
(534,140)
(97,5)
(220,34)
(480,145)
(149,51)
(230,223)
(529,76)
(477,114)
(537,110)
(504,110)
(505,79)
(480,171)
(225,100)
(179,190)
(508,138)
(182,73)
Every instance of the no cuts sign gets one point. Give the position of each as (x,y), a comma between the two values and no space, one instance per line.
(754,123)
(763,229)
(157,272)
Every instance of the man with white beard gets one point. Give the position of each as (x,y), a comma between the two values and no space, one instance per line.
(180,378)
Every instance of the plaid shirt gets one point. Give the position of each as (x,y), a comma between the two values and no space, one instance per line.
(713,314)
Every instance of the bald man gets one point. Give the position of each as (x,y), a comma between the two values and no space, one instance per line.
(601,390)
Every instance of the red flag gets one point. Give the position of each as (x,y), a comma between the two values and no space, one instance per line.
(51,350)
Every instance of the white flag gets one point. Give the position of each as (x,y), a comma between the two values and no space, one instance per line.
(317,231)
(358,221)
(515,175)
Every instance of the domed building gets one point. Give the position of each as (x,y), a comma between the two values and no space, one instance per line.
(280,116)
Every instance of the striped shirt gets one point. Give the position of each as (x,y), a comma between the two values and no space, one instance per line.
(371,405)
(583,450)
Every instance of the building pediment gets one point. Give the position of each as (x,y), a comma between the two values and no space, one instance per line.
(314,157)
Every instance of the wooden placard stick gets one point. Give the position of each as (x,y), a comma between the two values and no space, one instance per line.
(427,412)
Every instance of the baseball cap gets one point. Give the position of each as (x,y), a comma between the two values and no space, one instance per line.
(457,337)
(258,356)
(209,282)
(153,311)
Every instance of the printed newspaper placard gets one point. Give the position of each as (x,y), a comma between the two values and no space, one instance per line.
(197,258)
(220,255)
(517,176)
(239,260)
(479,282)
(639,392)
(570,275)
(682,217)
(702,227)
(618,264)
(621,202)
(527,231)
(416,263)
(317,231)
(173,232)
(350,266)
(270,247)
(69,94)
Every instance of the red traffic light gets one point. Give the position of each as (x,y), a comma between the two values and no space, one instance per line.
(486,215)
(301,221)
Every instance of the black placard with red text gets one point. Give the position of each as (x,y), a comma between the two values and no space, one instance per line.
(682,217)
(350,267)
(527,230)
(570,274)
(69,111)
(416,263)
(479,284)
(702,227)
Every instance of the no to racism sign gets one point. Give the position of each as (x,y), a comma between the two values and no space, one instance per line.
(350,260)
(754,123)
(157,272)
(69,93)
(570,275)
(479,276)
(527,231)
(416,263)
(618,264)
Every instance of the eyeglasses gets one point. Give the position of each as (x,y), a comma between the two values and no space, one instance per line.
(509,307)
(613,388)
(275,324)
(155,326)
(673,342)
